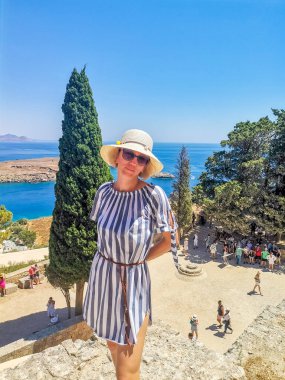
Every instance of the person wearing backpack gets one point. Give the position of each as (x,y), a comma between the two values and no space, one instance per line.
(227,321)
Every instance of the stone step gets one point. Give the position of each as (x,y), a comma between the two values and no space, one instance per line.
(190,270)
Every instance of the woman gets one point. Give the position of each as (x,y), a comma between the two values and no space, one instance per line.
(2,285)
(220,313)
(128,213)
(194,326)
(257,282)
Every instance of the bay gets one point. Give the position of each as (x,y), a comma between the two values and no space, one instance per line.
(32,201)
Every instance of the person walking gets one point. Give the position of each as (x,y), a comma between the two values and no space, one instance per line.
(194,326)
(128,213)
(220,314)
(257,282)
(195,240)
(227,321)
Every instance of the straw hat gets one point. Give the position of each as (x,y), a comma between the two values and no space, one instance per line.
(139,141)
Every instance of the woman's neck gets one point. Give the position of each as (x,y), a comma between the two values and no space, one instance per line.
(127,185)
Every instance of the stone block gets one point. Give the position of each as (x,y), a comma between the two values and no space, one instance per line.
(11,288)
(24,283)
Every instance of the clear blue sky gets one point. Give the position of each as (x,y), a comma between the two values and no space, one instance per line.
(182,70)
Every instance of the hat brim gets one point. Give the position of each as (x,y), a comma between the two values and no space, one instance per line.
(109,153)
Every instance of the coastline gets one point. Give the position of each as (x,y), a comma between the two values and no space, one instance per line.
(37,170)
(29,170)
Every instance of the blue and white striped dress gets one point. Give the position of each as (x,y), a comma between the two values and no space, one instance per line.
(126,222)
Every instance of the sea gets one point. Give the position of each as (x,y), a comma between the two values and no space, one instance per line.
(35,200)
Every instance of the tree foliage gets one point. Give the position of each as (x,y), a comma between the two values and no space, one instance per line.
(5,221)
(81,171)
(246,180)
(181,200)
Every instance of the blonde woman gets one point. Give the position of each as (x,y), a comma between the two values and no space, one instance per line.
(257,282)
(128,213)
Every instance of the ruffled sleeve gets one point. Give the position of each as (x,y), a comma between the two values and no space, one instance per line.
(165,220)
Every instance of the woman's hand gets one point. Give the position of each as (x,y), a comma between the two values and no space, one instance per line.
(161,247)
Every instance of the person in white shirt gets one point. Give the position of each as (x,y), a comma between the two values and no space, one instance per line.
(271,259)
(227,321)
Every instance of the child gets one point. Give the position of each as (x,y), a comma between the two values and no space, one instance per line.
(194,326)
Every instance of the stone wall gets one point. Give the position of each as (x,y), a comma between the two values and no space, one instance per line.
(73,329)
(258,354)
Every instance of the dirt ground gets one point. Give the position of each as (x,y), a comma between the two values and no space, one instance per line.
(174,298)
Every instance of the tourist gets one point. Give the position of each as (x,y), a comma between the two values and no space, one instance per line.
(264,255)
(37,274)
(258,254)
(220,314)
(2,285)
(51,307)
(238,255)
(270,247)
(253,226)
(195,241)
(193,219)
(194,326)
(271,259)
(213,250)
(257,282)
(128,213)
(277,254)
(208,242)
(227,321)
(251,256)
(186,246)
(31,276)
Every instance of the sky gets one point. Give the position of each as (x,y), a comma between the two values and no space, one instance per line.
(183,70)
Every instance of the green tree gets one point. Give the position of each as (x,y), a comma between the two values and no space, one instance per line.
(239,171)
(5,221)
(181,201)
(81,171)
(27,237)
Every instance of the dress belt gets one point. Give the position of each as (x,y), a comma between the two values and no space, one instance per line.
(123,276)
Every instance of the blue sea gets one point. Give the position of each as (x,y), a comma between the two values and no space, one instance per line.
(33,201)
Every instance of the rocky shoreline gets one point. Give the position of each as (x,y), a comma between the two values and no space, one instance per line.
(38,170)
(29,171)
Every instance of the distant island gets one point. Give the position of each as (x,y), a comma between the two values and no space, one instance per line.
(13,138)
(38,170)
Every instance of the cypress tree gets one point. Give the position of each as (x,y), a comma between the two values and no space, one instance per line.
(81,171)
(181,200)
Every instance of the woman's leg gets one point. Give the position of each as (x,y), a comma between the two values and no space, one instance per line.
(129,357)
(113,350)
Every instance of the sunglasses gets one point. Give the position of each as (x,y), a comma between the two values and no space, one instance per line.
(129,155)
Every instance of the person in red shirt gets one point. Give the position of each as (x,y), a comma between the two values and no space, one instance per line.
(31,274)
(258,254)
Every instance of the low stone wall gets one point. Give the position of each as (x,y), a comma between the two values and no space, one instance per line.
(74,328)
(15,276)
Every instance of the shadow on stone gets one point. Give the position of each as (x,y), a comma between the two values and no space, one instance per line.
(11,330)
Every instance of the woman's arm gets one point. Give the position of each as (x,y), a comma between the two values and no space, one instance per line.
(161,247)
